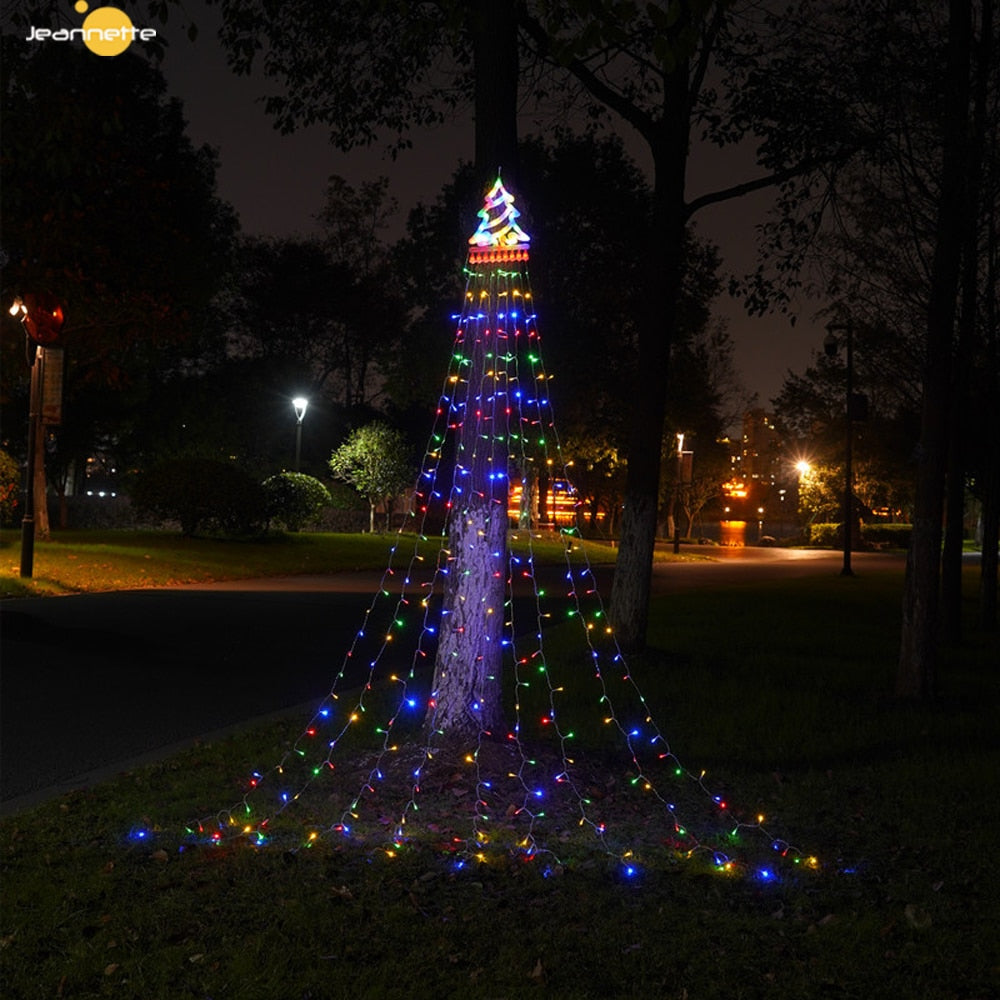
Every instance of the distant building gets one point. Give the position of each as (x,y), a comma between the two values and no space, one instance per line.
(759,488)
(762,454)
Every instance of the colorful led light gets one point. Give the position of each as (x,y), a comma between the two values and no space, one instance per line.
(508,437)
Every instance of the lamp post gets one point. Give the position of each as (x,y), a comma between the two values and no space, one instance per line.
(32,352)
(299,404)
(41,315)
(832,345)
(677,490)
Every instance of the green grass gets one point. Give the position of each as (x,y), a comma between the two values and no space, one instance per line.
(81,561)
(778,691)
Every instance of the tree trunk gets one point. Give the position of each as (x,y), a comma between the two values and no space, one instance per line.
(466,694)
(991,358)
(629,604)
(991,538)
(918,644)
(951,579)
(494,44)
(467,673)
(951,553)
(990,493)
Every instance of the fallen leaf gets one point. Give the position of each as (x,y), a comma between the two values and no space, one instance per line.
(537,972)
(109,970)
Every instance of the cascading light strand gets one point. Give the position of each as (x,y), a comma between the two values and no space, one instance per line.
(493,429)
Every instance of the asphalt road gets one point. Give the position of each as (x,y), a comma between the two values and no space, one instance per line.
(94,684)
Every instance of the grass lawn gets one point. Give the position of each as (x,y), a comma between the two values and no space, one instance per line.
(81,561)
(778,691)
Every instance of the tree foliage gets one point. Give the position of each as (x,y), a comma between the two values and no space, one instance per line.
(645,65)
(375,461)
(107,205)
(910,255)
(325,305)
(10,483)
(201,494)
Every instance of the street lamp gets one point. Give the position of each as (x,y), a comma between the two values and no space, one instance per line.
(832,345)
(20,311)
(41,315)
(299,404)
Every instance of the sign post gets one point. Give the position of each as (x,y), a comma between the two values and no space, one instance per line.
(42,318)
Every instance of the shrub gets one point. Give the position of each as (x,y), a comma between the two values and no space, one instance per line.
(202,494)
(895,536)
(10,482)
(824,535)
(294,499)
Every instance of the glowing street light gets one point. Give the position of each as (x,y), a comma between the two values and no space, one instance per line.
(299,404)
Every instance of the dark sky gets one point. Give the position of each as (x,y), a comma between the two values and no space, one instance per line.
(277,184)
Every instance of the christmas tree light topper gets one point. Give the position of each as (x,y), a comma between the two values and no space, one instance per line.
(499,237)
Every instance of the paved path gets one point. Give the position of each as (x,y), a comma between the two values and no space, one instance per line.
(94,684)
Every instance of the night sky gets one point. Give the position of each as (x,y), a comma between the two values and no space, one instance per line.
(277,183)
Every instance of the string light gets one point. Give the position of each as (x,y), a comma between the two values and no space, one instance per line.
(508,417)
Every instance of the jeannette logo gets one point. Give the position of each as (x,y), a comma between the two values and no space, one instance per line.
(106,31)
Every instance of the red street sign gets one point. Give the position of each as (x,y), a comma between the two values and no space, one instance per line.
(44,317)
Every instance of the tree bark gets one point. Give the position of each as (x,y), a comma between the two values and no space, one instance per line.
(991,539)
(628,607)
(467,674)
(991,479)
(466,694)
(494,45)
(991,355)
(961,427)
(918,644)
